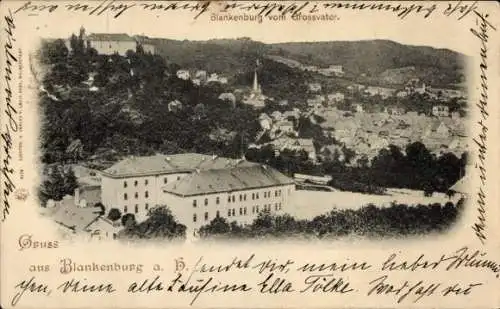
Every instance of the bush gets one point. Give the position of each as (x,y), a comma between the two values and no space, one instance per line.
(103,208)
(128,220)
(355,186)
(114,214)
(218,226)
(61,181)
(160,224)
(369,221)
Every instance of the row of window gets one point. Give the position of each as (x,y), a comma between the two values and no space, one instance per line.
(217,201)
(242,211)
(195,218)
(267,207)
(136,208)
(146,182)
(136,195)
(230,212)
(125,184)
(242,197)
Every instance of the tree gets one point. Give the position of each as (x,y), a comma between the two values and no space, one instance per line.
(58,184)
(447,171)
(114,214)
(263,221)
(418,155)
(103,208)
(74,151)
(218,226)
(70,182)
(363,161)
(52,188)
(128,221)
(139,49)
(349,154)
(77,45)
(53,52)
(159,224)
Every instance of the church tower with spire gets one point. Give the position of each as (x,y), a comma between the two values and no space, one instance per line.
(256,86)
(256,98)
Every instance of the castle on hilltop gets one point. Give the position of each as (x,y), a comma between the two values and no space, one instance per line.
(111,43)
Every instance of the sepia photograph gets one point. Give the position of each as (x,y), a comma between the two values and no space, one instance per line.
(154,138)
(249,154)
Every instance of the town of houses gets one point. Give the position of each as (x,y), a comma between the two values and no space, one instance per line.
(363,131)
(367,132)
(201,187)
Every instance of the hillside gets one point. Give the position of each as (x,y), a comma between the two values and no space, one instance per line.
(371,58)
(113,106)
(223,55)
(398,76)
(376,56)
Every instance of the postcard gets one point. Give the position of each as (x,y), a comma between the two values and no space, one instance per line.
(249,154)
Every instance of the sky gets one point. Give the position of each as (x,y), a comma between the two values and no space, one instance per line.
(437,31)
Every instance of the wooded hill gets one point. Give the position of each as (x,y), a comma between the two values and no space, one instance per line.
(439,67)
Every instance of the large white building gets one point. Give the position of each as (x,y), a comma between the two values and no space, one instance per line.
(110,43)
(195,187)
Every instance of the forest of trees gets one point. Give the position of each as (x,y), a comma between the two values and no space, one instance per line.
(128,113)
(389,169)
(439,67)
(368,221)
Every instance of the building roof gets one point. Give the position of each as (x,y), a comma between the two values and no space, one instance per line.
(291,113)
(175,102)
(460,130)
(380,89)
(109,37)
(336,94)
(89,181)
(346,125)
(168,164)
(228,180)
(461,185)
(73,217)
(438,123)
(286,124)
(305,142)
(263,116)
(227,96)
(104,225)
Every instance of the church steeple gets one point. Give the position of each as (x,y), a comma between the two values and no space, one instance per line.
(256,86)
(255,82)
(82,33)
(255,97)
